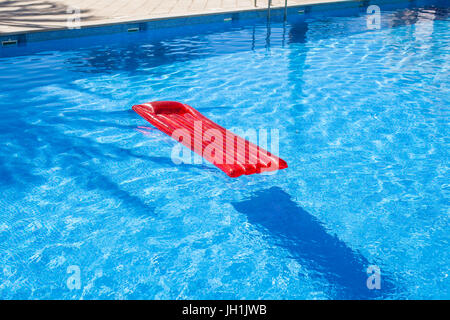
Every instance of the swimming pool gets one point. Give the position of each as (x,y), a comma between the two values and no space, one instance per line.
(363,120)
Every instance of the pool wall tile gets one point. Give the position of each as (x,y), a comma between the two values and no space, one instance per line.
(276,14)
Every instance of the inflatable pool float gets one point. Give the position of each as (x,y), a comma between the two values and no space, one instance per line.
(230,153)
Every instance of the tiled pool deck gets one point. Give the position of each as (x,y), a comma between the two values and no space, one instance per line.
(25,16)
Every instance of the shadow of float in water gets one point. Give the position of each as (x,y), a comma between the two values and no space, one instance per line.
(307,240)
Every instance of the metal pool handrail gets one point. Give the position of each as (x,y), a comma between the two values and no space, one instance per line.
(269,4)
(285,10)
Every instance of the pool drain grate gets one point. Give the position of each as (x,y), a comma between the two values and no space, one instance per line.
(7,43)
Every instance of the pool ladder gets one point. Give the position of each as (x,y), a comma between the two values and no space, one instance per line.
(269,5)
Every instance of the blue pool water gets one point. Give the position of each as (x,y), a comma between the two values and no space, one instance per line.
(363,120)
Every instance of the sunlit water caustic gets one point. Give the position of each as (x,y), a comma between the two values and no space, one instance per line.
(363,120)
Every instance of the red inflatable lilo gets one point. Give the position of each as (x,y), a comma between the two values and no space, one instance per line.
(230,153)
